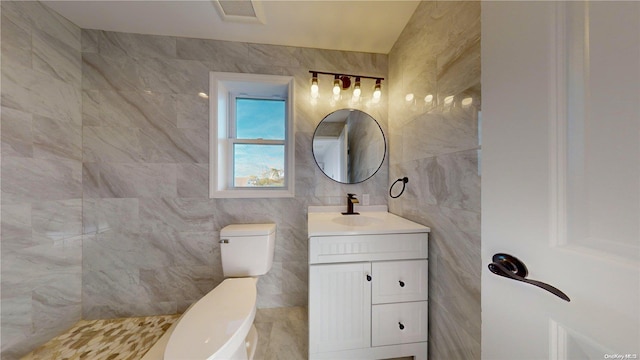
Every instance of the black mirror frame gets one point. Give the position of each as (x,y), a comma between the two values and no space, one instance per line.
(384,153)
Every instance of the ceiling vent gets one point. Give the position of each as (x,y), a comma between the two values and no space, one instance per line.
(240,11)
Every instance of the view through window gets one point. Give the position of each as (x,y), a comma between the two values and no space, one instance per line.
(259,129)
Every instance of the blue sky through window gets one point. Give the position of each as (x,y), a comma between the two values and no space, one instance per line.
(259,119)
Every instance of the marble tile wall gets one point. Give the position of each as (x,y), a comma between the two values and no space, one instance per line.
(436,145)
(105,204)
(150,229)
(41,165)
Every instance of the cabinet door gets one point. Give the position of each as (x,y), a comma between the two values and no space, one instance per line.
(339,307)
(398,281)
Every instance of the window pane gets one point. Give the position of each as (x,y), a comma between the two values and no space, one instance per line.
(260,119)
(258,165)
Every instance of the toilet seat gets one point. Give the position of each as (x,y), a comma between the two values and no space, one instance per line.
(217,325)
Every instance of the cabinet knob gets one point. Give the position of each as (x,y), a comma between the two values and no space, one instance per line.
(401,283)
(368,277)
(401,326)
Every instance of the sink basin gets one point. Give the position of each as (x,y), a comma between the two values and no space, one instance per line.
(356,220)
(328,221)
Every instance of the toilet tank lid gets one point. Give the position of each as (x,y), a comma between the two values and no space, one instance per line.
(248,229)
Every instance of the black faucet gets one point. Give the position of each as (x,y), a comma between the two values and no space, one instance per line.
(351,199)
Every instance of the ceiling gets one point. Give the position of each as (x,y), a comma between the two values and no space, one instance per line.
(351,25)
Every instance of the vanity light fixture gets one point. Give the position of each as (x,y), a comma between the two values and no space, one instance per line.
(343,82)
(336,85)
(314,86)
(356,89)
(448,100)
(428,99)
(377,91)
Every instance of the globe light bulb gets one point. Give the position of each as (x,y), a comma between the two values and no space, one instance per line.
(448,100)
(314,86)
(377,91)
(356,89)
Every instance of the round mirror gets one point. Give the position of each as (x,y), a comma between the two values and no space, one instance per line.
(349,146)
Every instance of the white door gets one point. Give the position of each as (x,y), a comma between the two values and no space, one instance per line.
(561,178)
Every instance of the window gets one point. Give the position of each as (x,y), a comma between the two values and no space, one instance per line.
(251,136)
(258,139)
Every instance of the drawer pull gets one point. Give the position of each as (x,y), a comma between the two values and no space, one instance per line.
(401,326)
(368,277)
(401,283)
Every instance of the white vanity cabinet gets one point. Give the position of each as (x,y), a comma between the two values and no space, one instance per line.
(368,294)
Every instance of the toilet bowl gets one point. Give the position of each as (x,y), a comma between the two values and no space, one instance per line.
(220,325)
(216,327)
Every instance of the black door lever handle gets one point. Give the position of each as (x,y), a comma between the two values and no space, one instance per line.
(512,268)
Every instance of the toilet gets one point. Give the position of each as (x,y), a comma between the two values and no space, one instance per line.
(220,325)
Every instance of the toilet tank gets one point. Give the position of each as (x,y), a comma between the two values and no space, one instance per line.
(247,249)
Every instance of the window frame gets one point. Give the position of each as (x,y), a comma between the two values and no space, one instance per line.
(233,138)
(226,87)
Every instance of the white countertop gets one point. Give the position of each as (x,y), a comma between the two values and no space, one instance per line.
(328,221)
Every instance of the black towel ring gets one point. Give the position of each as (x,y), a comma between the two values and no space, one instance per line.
(404,181)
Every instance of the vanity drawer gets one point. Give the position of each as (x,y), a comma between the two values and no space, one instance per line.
(398,281)
(399,323)
(354,248)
